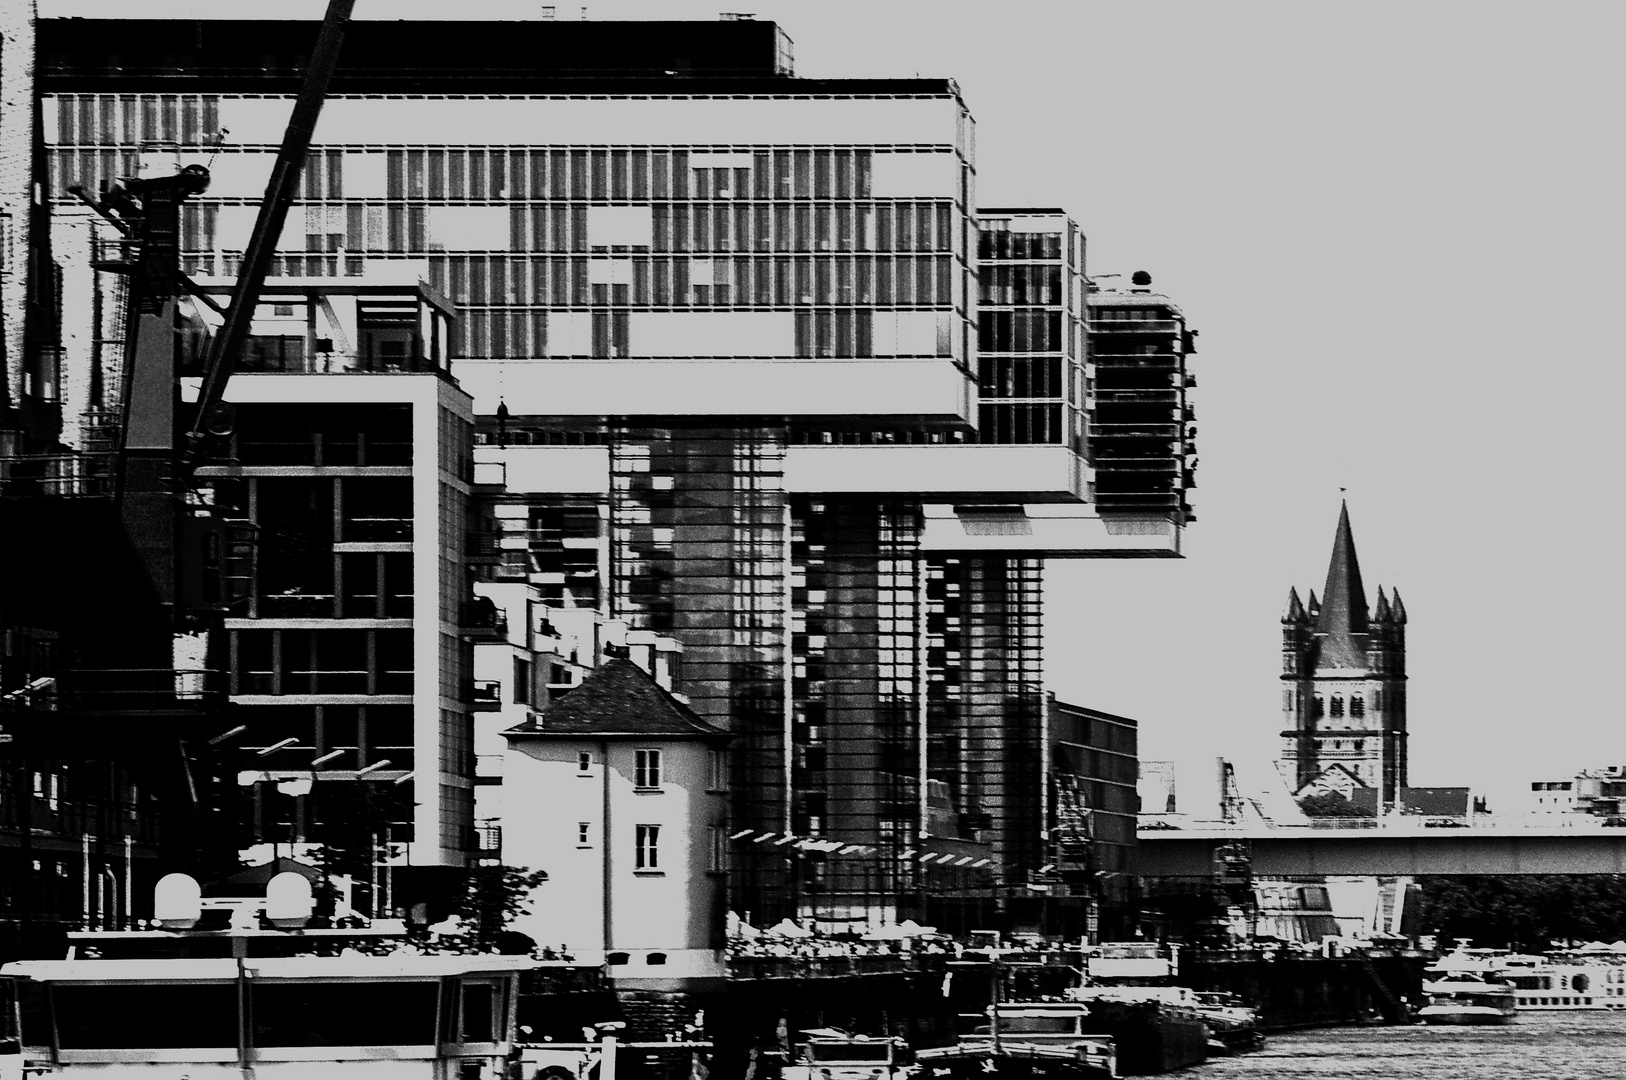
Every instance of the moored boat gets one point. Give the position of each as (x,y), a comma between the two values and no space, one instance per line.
(1466,990)
(262,1002)
(829,1054)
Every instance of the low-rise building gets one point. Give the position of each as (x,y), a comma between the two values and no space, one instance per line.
(618,792)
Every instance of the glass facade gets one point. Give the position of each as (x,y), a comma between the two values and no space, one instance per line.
(1030,329)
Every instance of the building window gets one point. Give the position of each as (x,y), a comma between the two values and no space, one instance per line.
(584,834)
(648,771)
(522,681)
(584,763)
(616,959)
(1338,705)
(719,771)
(719,848)
(648,855)
(1357,706)
(1319,708)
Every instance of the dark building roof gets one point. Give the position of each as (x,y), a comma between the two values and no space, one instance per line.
(1341,624)
(277,49)
(619,700)
(266,56)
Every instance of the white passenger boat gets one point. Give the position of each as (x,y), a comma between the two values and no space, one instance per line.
(1564,983)
(156,1004)
(1464,989)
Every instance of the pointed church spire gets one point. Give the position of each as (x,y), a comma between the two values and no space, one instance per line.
(1313,605)
(1343,614)
(1295,610)
(1381,612)
(1399,609)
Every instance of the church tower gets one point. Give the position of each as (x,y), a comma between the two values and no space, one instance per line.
(1344,683)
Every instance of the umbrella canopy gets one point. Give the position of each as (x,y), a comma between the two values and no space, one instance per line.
(886,933)
(787,929)
(910,928)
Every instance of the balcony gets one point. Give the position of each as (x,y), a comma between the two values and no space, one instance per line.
(483,547)
(485,695)
(484,621)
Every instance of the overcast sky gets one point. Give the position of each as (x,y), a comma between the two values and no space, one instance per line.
(1397,227)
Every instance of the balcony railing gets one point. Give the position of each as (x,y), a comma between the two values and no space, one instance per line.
(485,695)
(123,690)
(484,621)
(58,475)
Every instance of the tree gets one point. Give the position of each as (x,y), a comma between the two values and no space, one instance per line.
(1529,911)
(1332,804)
(493,896)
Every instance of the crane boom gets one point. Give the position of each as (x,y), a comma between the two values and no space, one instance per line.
(262,244)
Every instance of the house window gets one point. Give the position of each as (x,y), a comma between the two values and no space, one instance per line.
(522,681)
(648,770)
(719,848)
(584,763)
(648,855)
(719,771)
(583,834)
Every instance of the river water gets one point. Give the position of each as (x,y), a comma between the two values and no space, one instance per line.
(1536,1046)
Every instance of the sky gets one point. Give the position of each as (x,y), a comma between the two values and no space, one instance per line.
(1397,228)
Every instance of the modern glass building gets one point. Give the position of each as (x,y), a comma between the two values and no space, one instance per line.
(756,372)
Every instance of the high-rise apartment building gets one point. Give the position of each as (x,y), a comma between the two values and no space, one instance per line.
(757,375)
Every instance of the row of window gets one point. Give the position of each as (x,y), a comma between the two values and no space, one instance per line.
(1333,705)
(1133,314)
(105,120)
(375,228)
(1020,377)
(995,243)
(1021,331)
(1019,284)
(629,174)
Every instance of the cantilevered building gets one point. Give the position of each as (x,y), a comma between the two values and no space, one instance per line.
(756,376)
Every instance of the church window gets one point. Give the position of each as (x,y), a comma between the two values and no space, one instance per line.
(1360,744)
(1319,709)
(1357,706)
(1338,704)
(1377,699)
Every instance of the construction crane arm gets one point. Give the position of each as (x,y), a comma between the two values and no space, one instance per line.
(262,244)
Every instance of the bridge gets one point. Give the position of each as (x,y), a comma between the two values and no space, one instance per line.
(1390,847)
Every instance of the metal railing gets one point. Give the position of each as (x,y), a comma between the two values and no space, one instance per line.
(58,475)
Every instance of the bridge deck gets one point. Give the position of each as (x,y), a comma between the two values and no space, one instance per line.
(1388,849)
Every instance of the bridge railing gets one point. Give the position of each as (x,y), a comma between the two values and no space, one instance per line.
(1568,822)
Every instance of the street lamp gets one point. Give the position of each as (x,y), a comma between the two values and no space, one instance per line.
(374,767)
(266,751)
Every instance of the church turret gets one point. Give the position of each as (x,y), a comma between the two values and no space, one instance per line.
(1380,614)
(1295,610)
